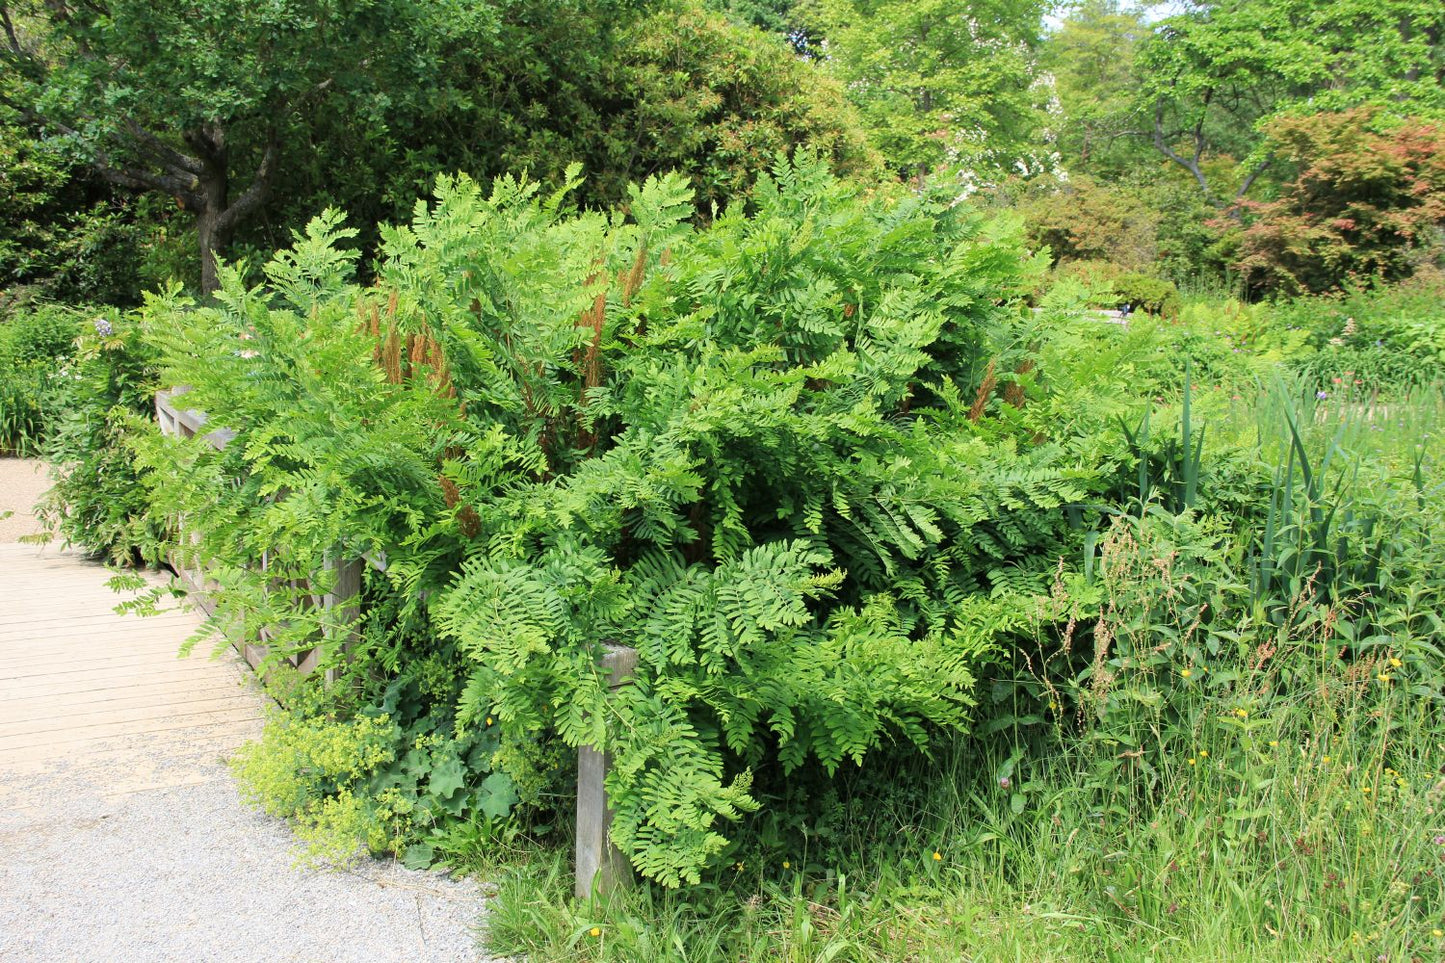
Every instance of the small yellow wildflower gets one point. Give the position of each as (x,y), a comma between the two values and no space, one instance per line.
(1325,759)
(1186,673)
(1396,663)
(1204,754)
(1383,677)
(595,931)
(1274,743)
(489,720)
(1241,713)
(937,856)
(1365,790)
(1191,762)
(787,865)
(1437,933)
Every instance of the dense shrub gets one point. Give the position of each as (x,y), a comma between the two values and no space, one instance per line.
(1150,225)
(63,232)
(1366,201)
(755,452)
(1083,220)
(1182,743)
(1113,286)
(104,400)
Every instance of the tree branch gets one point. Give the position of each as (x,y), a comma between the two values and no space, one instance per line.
(1192,166)
(208,141)
(163,152)
(149,181)
(260,188)
(1253,175)
(1198,133)
(181,184)
(11,37)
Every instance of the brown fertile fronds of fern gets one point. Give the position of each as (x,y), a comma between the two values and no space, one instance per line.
(590,360)
(433,357)
(632,281)
(468,521)
(445,388)
(594,318)
(391,355)
(450,493)
(985,391)
(1014,392)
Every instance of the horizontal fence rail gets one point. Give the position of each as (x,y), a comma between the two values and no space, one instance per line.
(343,575)
(601,868)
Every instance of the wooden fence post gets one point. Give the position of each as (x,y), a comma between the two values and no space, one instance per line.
(601,867)
(342,603)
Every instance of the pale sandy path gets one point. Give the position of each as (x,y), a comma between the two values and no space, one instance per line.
(22,482)
(122,836)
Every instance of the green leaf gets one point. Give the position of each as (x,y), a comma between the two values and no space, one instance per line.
(446,777)
(497,795)
(418,856)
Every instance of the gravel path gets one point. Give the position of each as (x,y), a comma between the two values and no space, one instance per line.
(122,835)
(190,873)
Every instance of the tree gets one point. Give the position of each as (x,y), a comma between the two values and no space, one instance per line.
(1366,200)
(1098,123)
(255,115)
(1213,76)
(938,82)
(209,100)
(781,17)
(720,102)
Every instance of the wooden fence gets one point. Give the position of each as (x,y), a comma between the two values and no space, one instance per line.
(601,868)
(341,596)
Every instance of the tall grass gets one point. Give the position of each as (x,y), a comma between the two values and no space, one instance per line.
(1220,741)
(34,347)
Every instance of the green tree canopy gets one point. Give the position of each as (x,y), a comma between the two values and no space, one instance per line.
(1098,123)
(937,82)
(1213,76)
(209,101)
(254,115)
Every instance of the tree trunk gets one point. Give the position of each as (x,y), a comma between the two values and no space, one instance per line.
(214,235)
(210,201)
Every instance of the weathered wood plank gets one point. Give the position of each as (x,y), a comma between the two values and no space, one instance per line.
(601,867)
(75,676)
(54,740)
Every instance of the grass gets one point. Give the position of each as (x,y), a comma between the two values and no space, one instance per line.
(1267,839)
(1255,851)
(1257,783)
